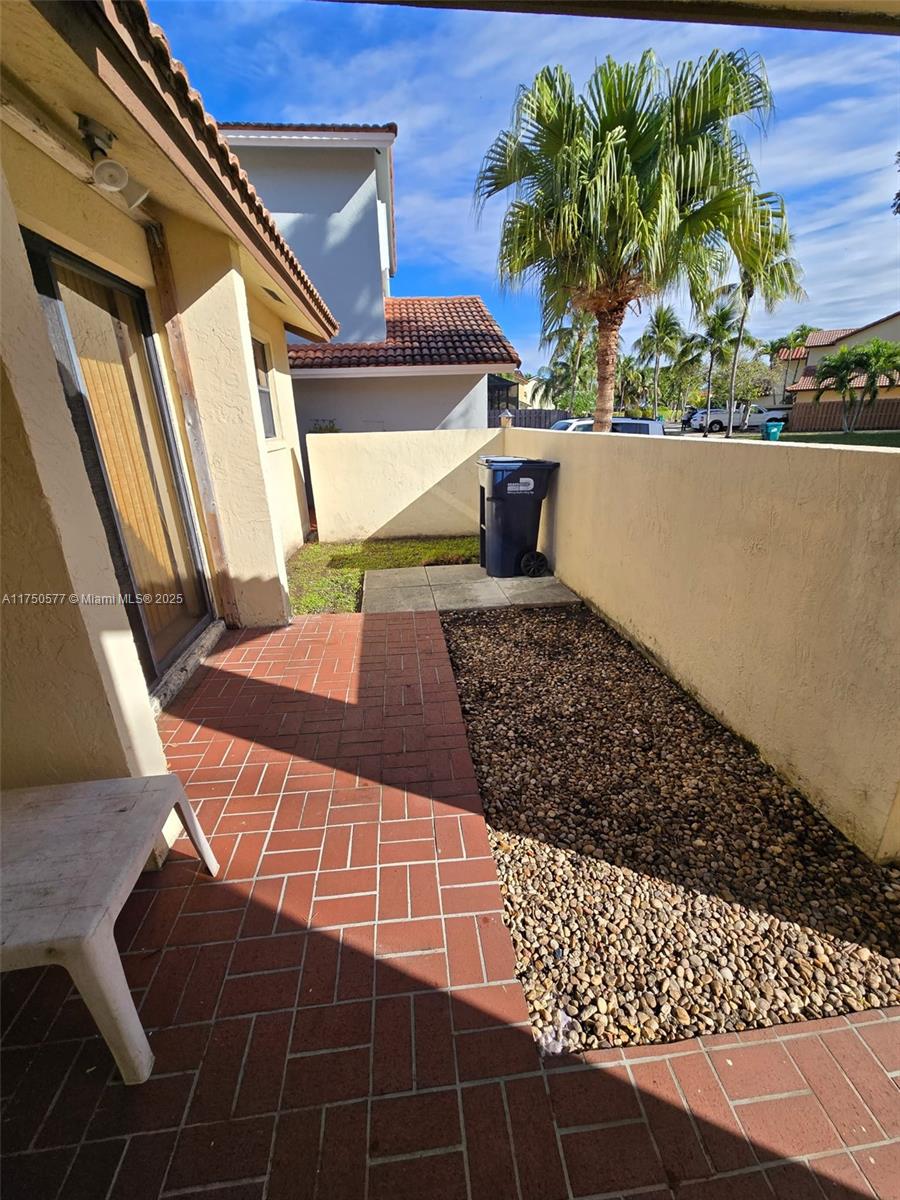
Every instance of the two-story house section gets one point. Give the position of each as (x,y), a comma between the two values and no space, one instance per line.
(412,362)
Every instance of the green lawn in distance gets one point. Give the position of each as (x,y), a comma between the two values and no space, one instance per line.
(864,437)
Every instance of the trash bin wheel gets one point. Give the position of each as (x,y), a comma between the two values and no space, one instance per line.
(534,564)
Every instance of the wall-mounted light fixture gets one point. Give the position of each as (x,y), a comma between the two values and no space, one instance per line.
(108,174)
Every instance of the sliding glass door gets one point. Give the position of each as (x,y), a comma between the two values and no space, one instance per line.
(100,330)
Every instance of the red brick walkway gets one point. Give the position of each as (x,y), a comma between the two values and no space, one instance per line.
(337,1017)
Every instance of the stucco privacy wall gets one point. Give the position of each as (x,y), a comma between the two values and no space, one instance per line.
(374,403)
(75,703)
(371,485)
(765,579)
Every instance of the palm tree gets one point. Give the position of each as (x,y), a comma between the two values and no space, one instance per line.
(567,360)
(857,372)
(627,190)
(661,339)
(631,381)
(768,272)
(718,337)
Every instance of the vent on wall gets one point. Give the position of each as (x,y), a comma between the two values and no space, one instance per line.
(274,295)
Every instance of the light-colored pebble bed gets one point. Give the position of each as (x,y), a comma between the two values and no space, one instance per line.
(660,880)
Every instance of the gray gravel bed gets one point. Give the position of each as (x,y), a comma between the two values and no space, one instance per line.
(660,880)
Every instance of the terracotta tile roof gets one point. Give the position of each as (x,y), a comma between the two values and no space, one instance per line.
(389,127)
(807,382)
(175,77)
(826,337)
(422,331)
(791,352)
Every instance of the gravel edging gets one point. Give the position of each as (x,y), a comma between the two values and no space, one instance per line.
(660,881)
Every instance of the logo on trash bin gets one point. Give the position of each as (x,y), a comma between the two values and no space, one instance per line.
(521,485)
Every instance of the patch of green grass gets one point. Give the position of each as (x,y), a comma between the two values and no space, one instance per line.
(328,576)
(865,437)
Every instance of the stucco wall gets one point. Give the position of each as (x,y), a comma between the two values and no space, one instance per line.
(283,456)
(371,485)
(888,330)
(766,580)
(373,404)
(75,704)
(216,321)
(326,205)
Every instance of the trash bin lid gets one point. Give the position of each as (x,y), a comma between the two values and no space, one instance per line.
(510,463)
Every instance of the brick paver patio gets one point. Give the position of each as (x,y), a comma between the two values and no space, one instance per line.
(337,1016)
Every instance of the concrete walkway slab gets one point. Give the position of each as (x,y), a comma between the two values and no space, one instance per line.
(456,586)
(455,573)
(537,591)
(398,599)
(472,593)
(394,577)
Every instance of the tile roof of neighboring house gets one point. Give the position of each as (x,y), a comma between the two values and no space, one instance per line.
(206,130)
(422,331)
(791,352)
(807,382)
(389,127)
(826,337)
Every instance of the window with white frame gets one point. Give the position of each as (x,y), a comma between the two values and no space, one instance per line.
(261,367)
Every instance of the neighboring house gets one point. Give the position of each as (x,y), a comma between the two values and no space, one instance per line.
(414,362)
(150,445)
(791,363)
(807,414)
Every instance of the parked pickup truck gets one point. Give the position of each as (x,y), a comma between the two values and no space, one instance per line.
(718,418)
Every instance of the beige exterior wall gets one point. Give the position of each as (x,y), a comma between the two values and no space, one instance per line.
(75,704)
(888,330)
(371,485)
(284,465)
(61,208)
(767,585)
(216,320)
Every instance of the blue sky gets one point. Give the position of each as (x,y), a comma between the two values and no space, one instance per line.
(449,80)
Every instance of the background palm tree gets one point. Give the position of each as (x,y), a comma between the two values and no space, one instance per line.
(570,366)
(662,338)
(632,381)
(717,338)
(627,190)
(767,271)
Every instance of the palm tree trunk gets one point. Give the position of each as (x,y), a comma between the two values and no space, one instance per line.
(712,363)
(609,322)
(734,366)
(656,389)
(579,346)
(855,412)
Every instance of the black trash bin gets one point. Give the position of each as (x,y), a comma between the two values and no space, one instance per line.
(512,491)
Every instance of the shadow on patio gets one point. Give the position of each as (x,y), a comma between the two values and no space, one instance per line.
(337,1015)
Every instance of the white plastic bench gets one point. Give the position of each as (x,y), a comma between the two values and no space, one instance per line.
(70,856)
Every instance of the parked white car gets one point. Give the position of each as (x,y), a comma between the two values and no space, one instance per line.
(619,425)
(718,418)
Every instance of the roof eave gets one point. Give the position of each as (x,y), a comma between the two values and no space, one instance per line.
(407,369)
(119,43)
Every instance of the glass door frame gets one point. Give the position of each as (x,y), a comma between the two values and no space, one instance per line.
(41,253)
